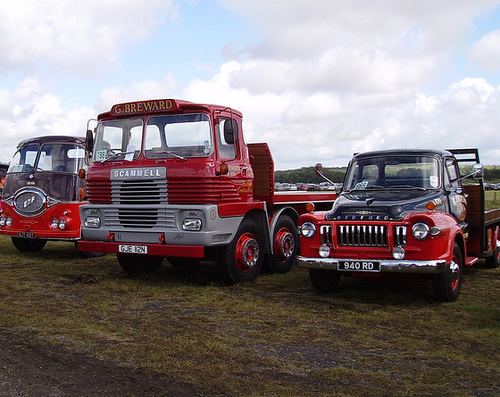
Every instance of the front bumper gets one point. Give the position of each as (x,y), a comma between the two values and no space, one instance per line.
(386,265)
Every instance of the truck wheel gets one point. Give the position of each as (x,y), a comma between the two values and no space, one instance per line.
(135,264)
(242,259)
(494,261)
(183,262)
(285,244)
(447,284)
(28,244)
(324,280)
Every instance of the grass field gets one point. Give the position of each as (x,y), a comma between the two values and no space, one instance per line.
(492,199)
(272,337)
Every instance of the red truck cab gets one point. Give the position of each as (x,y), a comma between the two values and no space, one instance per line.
(403,212)
(175,179)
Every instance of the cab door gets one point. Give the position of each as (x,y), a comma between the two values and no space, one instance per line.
(457,198)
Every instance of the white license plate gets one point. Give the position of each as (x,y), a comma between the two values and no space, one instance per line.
(133,249)
(26,235)
(359,266)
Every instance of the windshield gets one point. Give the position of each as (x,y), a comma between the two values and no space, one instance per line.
(183,135)
(393,172)
(118,139)
(50,157)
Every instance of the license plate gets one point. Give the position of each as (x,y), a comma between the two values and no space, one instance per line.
(26,235)
(359,266)
(133,249)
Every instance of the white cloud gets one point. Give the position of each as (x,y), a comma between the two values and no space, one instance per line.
(76,37)
(486,52)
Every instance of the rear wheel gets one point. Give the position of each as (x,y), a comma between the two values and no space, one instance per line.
(494,260)
(285,244)
(135,264)
(324,280)
(447,284)
(242,259)
(28,244)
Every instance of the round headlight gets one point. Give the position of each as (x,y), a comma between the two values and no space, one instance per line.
(420,231)
(324,251)
(62,224)
(54,223)
(2,220)
(8,222)
(308,229)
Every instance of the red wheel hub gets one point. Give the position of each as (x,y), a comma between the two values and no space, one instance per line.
(284,244)
(247,252)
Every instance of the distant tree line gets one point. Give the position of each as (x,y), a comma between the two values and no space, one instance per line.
(492,173)
(336,174)
(308,175)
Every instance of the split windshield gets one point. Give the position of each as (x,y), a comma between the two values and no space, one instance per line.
(49,157)
(171,136)
(394,172)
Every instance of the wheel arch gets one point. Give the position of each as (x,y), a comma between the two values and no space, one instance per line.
(260,217)
(460,241)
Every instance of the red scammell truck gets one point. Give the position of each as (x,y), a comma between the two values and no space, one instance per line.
(175,179)
(42,192)
(403,212)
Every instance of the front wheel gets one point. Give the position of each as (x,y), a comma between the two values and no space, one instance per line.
(447,284)
(242,259)
(135,264)
(28,244)
(285,244)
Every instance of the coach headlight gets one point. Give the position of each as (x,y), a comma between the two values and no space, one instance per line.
(308,229)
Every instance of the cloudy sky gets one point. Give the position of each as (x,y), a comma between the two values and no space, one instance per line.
(318,79)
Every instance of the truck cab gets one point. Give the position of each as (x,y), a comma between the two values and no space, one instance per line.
(174,179)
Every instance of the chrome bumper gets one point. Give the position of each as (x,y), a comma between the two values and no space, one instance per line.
(386,265)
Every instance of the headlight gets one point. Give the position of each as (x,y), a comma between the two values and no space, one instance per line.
(308,229)
(324,251)
(8,222)
(54,223)
(92,221)
(420,231)
(2,220)
(192,224)
(62,224)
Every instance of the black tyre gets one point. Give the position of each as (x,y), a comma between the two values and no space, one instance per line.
(242,259)
(494,261)
(285,246)
(447,284)
(135,264)
(28,244)
(324,280)
(183,262)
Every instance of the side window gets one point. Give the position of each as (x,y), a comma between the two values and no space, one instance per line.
(452,173)
(226,140)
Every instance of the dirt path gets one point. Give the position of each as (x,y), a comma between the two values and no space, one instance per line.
(30,369)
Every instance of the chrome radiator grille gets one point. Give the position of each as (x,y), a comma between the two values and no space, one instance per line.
(139,204)
(365,235)
(139,192)
(362,235)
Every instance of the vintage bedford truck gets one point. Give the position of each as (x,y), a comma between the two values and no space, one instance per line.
(403,212)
